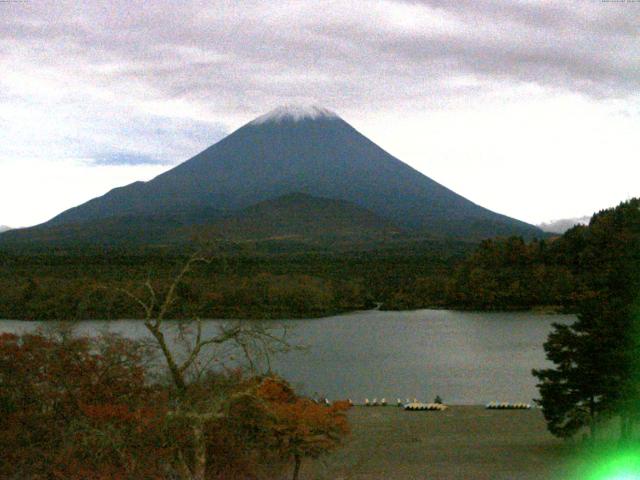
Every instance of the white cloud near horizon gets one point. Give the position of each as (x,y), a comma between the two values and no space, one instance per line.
(530,109)
(38,189)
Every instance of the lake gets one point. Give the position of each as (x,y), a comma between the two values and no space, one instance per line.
(465,357)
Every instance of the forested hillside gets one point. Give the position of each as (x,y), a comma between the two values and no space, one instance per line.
(509,273)
(239,283)
(279,279)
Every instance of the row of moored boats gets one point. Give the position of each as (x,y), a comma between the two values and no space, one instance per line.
(434,406)
(507,406)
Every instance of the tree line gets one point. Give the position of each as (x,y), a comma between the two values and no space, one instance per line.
(83,285)
(241,282)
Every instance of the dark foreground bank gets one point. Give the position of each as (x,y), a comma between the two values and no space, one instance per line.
(463,442)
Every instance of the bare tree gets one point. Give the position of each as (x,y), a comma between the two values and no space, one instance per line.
(254,340)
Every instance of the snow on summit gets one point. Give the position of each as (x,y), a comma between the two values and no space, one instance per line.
(294,112)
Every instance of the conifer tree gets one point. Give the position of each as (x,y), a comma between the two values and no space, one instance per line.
(597,371)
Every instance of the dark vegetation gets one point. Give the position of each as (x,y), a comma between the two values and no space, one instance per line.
(286,278)
(242,281)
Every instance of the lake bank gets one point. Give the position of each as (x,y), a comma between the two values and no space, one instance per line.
(461,443)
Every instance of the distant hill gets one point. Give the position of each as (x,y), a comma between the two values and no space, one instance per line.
(132,229)
(303,217)
(291,149)
(562,225)
(4,228)
(296,217)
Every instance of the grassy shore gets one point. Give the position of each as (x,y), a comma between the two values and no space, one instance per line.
(463,442)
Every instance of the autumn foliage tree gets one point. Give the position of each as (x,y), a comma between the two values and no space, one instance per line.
(80,408)
(299,427)
(75,408)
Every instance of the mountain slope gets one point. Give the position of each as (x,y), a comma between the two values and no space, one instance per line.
(294,217)
(302,217)
(312,151)
(128,229)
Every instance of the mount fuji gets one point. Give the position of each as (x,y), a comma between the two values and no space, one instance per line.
(290,150)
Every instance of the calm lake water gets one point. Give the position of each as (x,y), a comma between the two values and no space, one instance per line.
(466,358)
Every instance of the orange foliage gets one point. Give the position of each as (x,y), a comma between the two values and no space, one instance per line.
(301,427)
(73,408)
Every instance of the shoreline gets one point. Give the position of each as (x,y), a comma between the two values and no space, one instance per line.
(538,310)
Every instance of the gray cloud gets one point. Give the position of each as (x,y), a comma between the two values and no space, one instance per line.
(133,82)
(241,56)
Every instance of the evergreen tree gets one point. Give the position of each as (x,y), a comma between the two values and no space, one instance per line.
(596,372)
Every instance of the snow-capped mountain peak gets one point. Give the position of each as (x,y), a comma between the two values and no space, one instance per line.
(295,112)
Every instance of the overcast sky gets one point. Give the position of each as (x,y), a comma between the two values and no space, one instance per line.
(528,108)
